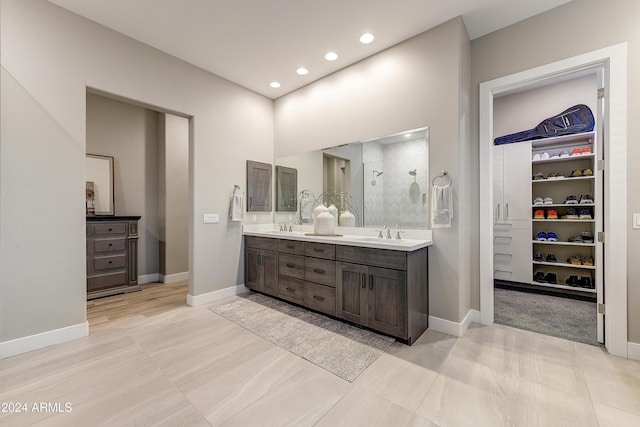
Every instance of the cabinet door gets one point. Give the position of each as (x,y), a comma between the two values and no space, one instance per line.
(258,186)
(517,181)
(498,189)
(252,269)
(269,263)
(387,301)
(351,292)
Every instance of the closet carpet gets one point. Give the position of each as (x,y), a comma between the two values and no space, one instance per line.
(550,315)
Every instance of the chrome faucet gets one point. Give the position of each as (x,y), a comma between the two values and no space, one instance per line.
(386,227)
(282,225)
(398,232)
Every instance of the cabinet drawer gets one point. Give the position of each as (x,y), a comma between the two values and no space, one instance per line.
(106,281)
(385,258)
(109,262)
(320,271)
(291,289)
(109,245)
(515,235)
(320,250)
(109,229)
(321,298)
(261,243)
(291,246)
(291,265)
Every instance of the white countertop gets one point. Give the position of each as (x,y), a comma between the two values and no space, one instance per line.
(362,237)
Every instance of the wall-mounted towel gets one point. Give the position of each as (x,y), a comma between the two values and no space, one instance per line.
(441,206)
(237,206)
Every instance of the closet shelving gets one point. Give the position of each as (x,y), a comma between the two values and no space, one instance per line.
(558,189)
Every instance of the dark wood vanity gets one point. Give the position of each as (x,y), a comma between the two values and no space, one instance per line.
(112,255)
(384,290)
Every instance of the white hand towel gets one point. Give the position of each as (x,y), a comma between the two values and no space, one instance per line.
(441,206)
(237,206)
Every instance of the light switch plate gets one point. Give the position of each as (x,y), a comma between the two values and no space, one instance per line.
(211,218)
(636,220)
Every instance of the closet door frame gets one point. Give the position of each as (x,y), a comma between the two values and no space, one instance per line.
(613,61)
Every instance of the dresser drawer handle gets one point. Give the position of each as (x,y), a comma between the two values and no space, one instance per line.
(291,265)
(318,297)
(318,270)
(110,262)
(111,229)
(318,250)
(290,247)
(110,244)
(291,289)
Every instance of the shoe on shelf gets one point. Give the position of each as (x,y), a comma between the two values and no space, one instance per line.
(564,153)
(586,199)
(585,150)
(552,237)
(536,157)
(586,237)
(551,258)
(541,236)
(538,176)
(560,175)
(544,156)
(587,172)
(547,201)
(538,257)
(538,214)
(552,175)
(571,214)
(574,260)
(571,200)
(576,152)
(585,282)
(584,214)
(551,278)
(576,173)
(587,260)
(538,201)
(539,277)
(552,214)
(572,281)
(575,239)
(555,155)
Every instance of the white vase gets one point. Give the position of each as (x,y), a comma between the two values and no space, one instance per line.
(324,224)
(317,211)
(347,219)
(333,211)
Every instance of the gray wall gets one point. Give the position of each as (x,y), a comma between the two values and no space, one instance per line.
(49,58)
(420,82)
(130,134)
(569,30)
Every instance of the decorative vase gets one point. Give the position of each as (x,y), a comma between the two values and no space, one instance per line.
(324,224)
(347,219)
(333,211)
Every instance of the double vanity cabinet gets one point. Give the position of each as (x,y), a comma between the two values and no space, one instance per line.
(385,290)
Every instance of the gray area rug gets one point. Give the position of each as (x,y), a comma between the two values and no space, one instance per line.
(341,349)
(550,315)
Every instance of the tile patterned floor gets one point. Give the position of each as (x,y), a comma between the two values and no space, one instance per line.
(151,360)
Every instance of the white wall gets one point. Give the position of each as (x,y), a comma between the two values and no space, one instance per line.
(419,82)
(580,27)
(49,58)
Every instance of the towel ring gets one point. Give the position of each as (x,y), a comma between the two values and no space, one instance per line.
(443,174)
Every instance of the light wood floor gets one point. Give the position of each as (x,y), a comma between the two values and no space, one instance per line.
(151,360)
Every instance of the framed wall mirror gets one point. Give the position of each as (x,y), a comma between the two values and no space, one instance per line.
(286,189)
(100,197)
(258,186)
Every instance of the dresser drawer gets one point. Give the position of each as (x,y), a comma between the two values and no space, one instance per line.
(321,298)
(109,245)
(384,258)
(109,262)
(320,250)
(261,243)
(106,281)
(320,271)
(291,289)
(291,246)
(110,229)
(291,265)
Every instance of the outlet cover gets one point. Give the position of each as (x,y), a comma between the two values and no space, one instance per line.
(211,218)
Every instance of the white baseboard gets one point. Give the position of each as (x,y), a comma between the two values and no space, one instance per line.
(457,329)
(633,351)
(172,278)
(42,340)
(148,278)
(195,300)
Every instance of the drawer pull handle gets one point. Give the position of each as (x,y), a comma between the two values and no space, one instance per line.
(371,282)
(110,244)
(290,247)
(110,262)
(318,297)
(318,270)
(111,229)
(318,250)
(364,280)
(291,265)
(291,289)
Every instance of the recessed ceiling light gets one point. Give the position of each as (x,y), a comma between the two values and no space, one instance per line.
(302,71)
(407,135)
(331,56)
(274,85)
(366,38)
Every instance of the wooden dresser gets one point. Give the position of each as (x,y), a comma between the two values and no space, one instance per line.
(112,255)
